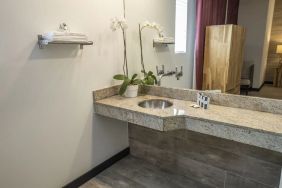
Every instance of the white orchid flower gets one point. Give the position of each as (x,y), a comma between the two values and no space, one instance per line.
(118,24)
(123,24)
(114,24)
(153,25)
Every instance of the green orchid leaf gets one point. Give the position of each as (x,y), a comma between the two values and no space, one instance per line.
(150,81)
(155,79)
(124,86)
(120,77)
(133,77)
(150,78)
(137,82)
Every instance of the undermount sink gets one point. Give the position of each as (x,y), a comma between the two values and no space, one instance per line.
(155,104)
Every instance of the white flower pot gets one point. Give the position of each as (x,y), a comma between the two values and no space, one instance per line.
(131,91)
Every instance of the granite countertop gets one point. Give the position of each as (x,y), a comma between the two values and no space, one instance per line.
(251,127)
(248,119)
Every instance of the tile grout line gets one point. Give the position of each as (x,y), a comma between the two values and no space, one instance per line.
(280,186)
(251,179)
(225,177)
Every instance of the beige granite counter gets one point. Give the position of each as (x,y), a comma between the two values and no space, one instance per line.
(256,128)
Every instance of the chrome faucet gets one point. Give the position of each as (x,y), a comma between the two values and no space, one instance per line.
(179,74)
(161,73)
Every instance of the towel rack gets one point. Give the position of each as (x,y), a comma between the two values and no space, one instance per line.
(42,44)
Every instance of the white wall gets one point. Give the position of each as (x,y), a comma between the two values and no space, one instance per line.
(267,39)
(49,134)
(256,16)
(162,12)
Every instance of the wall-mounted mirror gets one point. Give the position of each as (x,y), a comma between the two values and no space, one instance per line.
(254,68)
(177,20)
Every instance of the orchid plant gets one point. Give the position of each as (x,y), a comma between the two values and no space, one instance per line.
(152,25)
(127,81)
(121,24)
(149,77)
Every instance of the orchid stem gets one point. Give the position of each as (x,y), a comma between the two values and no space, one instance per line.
(141,48)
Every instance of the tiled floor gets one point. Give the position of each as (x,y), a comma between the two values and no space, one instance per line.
(131,172)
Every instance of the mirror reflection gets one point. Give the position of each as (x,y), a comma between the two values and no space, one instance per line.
(233,48)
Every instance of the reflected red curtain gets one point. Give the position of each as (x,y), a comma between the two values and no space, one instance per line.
(210,12)
(232,14)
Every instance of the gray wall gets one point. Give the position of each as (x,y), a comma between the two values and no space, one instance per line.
(256,16)
(276,38)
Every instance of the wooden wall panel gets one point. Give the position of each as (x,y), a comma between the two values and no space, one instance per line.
(236,59)
(217,48)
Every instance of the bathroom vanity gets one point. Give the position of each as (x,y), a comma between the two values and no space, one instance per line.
(237,142)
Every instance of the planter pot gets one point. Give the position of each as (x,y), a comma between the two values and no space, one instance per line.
(131,91)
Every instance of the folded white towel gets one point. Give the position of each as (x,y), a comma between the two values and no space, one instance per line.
(164,40)
(61,33)
(64,36)
(57,33)
(69,38)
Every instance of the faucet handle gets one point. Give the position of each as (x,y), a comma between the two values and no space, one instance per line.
(157,68)
(181,70)
(179,74)
(160,72)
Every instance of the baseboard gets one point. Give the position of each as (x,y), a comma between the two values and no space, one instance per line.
(257,89)
(98,169)
(268,82)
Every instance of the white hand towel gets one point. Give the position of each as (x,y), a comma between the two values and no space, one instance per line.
(56,33)
(164,40)
(70,39)
(63,36)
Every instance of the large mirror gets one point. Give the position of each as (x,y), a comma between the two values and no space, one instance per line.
(232,46)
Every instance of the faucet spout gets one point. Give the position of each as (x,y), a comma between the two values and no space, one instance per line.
(159,82)
(161,76)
